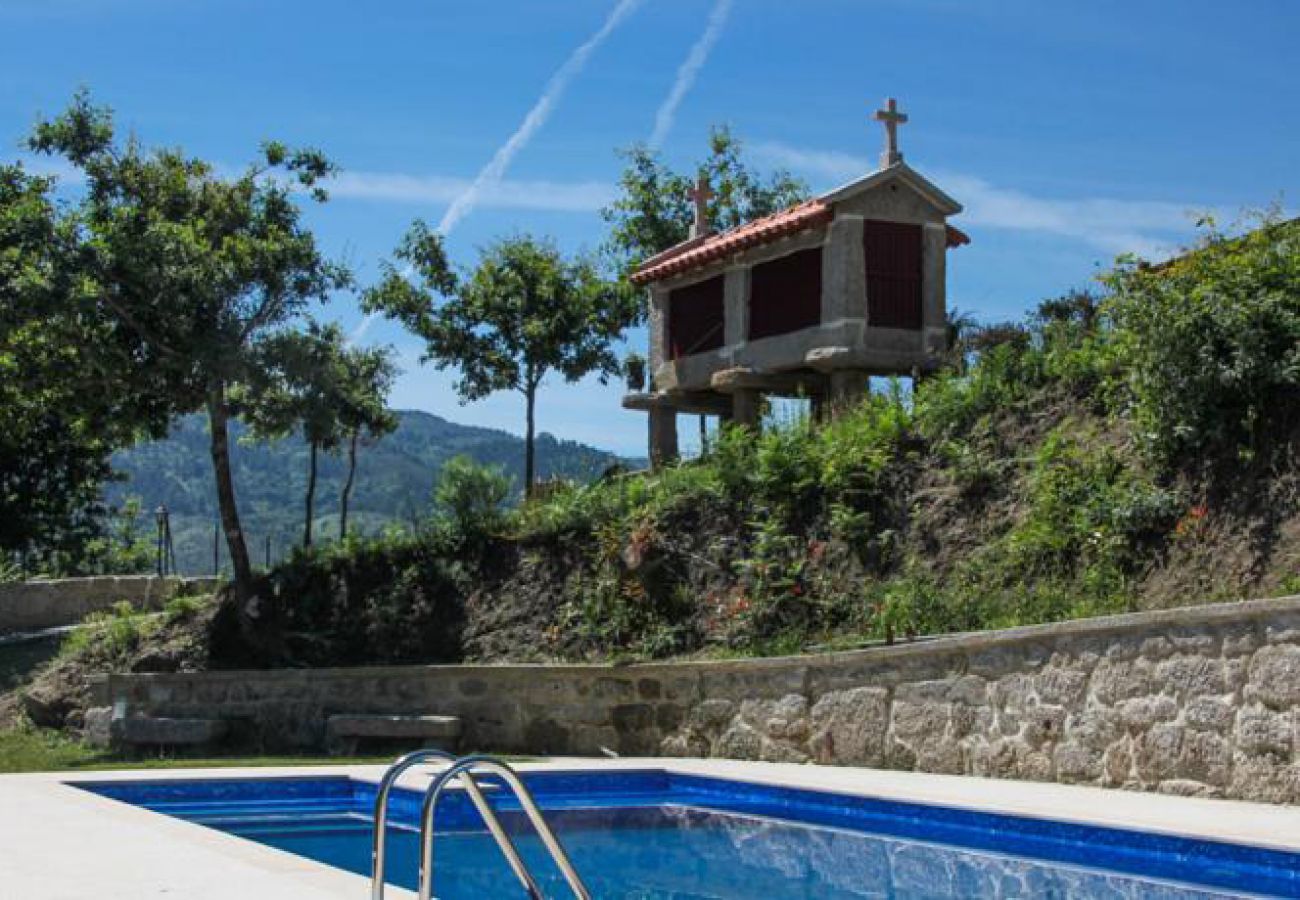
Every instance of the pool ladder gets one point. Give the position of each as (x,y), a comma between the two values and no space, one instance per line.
(464,769)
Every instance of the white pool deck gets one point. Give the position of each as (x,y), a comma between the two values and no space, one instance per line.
(61,843)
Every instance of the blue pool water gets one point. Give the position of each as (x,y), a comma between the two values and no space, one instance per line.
(647,835)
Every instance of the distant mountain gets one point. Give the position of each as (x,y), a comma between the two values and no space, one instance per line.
(395,478)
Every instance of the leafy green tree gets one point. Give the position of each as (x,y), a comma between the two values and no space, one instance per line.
(524,313)
(654,212)
(297,385)
(62,411)
(187,271)
(366,378)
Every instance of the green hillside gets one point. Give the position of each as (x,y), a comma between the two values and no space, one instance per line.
(394,479)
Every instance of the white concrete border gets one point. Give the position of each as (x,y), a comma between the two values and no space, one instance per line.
(58,842)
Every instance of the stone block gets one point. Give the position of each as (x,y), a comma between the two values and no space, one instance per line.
(849,727)
(1061,685)
(1142,712)
(1209,713)
(1076,763)
(164,732)
(1260,731)
(1189,675)
(96,728)
(1157,753)
(1114,680)
(1274,676)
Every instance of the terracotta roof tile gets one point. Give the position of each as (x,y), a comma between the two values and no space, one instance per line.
(699,252)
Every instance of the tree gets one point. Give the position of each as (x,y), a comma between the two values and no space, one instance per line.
(297,386)
(190,271)
(367,377)
(62,409)
(526,312)
(654,212)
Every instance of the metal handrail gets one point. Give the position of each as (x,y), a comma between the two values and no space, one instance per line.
(378,848)
(379,841)
(465,767)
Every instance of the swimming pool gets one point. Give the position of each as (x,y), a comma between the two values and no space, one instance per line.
(657,834)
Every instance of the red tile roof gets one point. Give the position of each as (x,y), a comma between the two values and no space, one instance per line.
(698,252)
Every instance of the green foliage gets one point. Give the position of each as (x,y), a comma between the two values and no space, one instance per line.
(60,417)
(394,479)
(524,313)
(123,547)
(653,211)
(1212,343)
(471,497)
(314,383)
(390,599)
(185,271)
(110,636)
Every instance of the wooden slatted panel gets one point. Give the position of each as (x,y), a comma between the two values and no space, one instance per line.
(695,318)
(893,260)
(786,294)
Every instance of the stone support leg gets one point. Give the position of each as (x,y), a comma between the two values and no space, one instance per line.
(747,408)
(848,387)
(663,435)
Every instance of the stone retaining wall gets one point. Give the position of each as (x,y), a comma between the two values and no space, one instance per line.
(1201,701)
(28,605)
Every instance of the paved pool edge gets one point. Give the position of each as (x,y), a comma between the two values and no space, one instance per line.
(124,852)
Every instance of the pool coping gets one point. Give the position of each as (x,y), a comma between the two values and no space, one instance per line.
(126,852)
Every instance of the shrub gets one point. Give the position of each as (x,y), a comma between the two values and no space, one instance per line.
(471,496)
(1213,347)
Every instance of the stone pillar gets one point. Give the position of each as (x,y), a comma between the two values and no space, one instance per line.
(663,435)
(934,274)
(847,388)
(844,271)
(735,306)
(747,408)
(657,326)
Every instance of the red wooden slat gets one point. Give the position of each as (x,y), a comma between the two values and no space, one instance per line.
(695,318)
(786,294)
(893,263)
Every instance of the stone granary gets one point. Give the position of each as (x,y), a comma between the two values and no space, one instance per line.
(809,302)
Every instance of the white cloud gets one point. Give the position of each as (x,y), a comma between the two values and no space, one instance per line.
(1150,228)
(689,71)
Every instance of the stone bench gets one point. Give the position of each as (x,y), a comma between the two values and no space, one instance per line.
(163,732)
(344,733)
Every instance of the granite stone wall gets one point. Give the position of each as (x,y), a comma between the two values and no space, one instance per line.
(29,605)
(1200,701)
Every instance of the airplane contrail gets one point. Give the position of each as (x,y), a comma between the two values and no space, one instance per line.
(490,175)
(495,170)
(689,71)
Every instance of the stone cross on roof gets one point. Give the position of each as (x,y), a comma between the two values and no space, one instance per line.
(701,194)
(892,118)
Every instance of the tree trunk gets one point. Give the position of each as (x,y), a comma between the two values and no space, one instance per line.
(347,485)
(218,419)
(311,493)
(530,402)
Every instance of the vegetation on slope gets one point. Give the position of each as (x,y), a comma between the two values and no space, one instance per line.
(1110,454)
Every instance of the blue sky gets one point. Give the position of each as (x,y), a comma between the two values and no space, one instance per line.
(1071,131)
